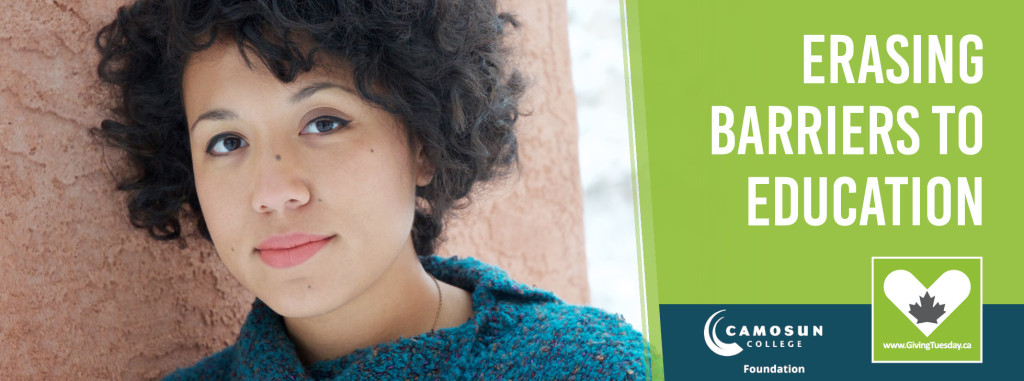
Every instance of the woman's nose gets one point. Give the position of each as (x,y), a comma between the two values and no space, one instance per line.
(279,186)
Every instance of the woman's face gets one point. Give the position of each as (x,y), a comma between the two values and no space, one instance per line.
(308,190)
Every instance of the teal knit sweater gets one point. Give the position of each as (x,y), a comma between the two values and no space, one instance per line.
(516,333)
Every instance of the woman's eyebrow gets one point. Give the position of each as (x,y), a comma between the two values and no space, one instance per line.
(308,91)
(215,114)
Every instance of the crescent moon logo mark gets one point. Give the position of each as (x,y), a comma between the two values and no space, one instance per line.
(711,339)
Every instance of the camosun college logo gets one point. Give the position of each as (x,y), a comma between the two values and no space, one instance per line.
(716,345)
(764,337)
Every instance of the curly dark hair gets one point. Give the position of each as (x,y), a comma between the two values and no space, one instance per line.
(439,66)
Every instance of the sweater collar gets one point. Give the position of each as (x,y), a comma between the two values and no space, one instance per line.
(264,347)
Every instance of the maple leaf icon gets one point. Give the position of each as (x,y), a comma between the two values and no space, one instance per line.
(927,310)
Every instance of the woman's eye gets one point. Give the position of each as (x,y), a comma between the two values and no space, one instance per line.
(324,124)
(224,144)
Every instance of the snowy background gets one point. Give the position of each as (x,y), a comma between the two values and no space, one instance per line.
(595,41)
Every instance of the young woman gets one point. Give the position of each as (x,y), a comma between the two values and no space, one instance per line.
(320,145)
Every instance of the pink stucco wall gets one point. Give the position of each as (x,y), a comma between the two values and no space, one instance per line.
(85,296)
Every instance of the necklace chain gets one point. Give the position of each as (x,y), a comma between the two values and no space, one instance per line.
(440,298)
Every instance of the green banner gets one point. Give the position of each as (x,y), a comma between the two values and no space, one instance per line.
(780,146)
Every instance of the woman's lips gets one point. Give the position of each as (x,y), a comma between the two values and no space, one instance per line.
(283,251)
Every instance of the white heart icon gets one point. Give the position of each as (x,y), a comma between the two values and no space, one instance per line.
(904,290)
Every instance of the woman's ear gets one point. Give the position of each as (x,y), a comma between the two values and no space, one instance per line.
(424,169)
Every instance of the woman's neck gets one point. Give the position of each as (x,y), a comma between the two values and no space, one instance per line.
(403,302)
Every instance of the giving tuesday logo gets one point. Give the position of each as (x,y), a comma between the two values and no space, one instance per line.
(928,307)
(915,323)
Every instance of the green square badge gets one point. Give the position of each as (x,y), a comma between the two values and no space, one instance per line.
(926,309)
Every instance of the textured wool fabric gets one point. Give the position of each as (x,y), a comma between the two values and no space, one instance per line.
(516,332)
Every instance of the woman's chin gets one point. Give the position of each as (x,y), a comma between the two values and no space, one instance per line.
(300,305)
